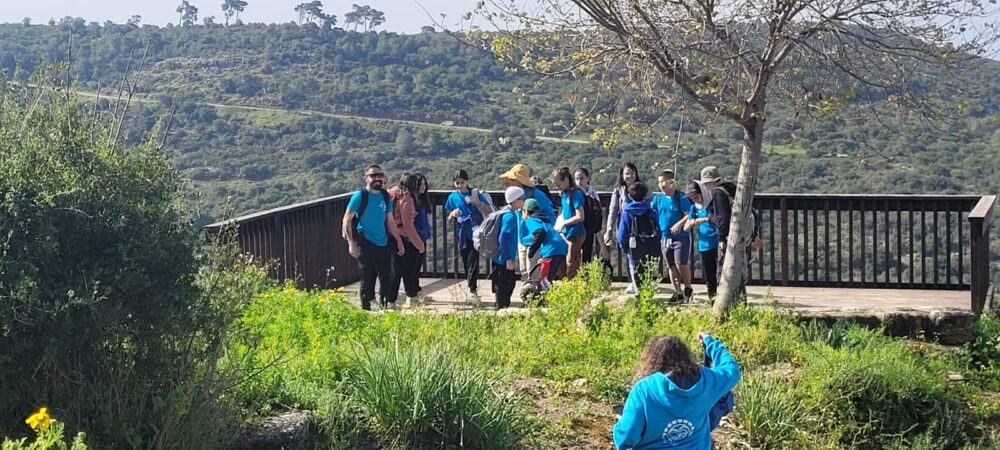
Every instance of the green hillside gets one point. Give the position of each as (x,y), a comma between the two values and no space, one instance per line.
(314,94)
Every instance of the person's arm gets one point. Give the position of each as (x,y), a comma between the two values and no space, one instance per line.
(723,365)
(347,228)
(483,203)
(628,431)
(408,212)
(723,214)
(623,232)
(614,213)
(508,234)
(680,225)
(537,238)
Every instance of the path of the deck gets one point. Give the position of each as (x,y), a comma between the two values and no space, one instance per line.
(450,295)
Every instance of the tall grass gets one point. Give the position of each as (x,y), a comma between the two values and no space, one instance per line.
(769,412)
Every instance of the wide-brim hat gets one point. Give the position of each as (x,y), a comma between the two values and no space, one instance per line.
(519,173)
(710,174)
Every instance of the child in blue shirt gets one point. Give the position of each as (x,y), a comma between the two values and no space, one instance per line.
(503,275)
(570,222)
(672,208)
(702,216)
(638,233)
(669,404)
(545,241)
(467,207)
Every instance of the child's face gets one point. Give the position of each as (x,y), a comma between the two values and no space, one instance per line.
(461,184)
(666,184)
(695,198)
(581,179)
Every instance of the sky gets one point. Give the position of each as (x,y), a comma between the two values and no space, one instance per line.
(402,16)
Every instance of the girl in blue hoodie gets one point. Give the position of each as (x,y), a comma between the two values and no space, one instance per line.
(668,406)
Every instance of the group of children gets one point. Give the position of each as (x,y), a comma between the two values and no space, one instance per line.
(531,235)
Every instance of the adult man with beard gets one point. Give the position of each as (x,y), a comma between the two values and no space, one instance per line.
(369,212)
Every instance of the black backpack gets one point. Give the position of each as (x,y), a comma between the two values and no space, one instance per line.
(756,218)
(364,206)
(646,232)
(593,214)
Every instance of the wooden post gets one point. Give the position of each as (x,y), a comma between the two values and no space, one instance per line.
(979,223)
(784,241)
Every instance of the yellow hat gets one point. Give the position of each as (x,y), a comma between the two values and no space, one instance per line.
(519,173)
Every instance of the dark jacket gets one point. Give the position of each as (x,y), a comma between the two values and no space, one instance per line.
(722,203)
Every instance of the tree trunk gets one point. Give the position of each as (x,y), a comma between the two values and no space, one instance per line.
(734,268)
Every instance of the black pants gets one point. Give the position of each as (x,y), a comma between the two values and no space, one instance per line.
(375,262)
(406,268)
(710,268)
(503,284)
(470,261)
(588,249)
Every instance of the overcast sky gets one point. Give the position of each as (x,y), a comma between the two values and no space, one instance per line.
(404,16)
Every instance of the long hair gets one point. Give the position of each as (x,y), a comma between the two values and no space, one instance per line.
(563,173)
(410,183)
(621,173)
(668,354)
(423,199)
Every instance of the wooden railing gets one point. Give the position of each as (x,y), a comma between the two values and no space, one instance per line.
(854,241)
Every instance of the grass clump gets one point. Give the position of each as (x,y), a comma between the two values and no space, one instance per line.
(769,412)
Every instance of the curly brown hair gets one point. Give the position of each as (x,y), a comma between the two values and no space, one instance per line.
(670,355)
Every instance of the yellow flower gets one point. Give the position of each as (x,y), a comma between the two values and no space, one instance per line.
(562,330)
(39,419)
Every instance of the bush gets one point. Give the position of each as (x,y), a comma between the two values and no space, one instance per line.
(768,411)
(421,396)
(877,393)
(105,314)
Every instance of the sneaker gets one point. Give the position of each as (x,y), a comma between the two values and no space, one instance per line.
(688,294)
(473,299)
(391,306)
(630,290)
(411,302)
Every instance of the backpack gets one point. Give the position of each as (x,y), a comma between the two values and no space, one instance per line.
(593,215)
(364,205)
(756,218)
(486,236)
(722,406)
(646,232)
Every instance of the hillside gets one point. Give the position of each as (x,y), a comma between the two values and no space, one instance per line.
(318,90)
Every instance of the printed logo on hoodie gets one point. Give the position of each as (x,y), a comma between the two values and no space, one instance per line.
(677,431)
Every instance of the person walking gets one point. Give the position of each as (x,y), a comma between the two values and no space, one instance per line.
(671,207)
(467,207)
(627,176)
(638,234)
(406,267)
(369,214)
(582,177)
(570,221)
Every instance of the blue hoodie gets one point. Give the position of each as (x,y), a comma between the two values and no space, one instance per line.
(661,415)
(633,209)
(544,236)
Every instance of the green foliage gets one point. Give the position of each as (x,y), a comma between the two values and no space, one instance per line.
(50,437)
(769,412)
(983,352)
(108,315)
(422,396)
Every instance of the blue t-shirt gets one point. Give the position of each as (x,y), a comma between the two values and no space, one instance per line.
(544,202)
(570,202)
(508,239)
(470,218)
(553,244)
(670,212)
(708,234)
(659,414)
(372,223)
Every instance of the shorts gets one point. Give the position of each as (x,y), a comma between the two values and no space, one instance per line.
(676,251)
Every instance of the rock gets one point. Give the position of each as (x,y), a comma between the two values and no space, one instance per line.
(579,383)
(952,326)
(955,376)
(293,430)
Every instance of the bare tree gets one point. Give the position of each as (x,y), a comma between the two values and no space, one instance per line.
(731,57)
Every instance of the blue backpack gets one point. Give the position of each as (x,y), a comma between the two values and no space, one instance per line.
(721,407)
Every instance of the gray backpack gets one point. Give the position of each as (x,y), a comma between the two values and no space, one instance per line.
(486,237)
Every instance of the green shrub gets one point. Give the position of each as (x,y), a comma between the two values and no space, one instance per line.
(103,316)
(877,392)
(422,396)
(49,435)
(768,411)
